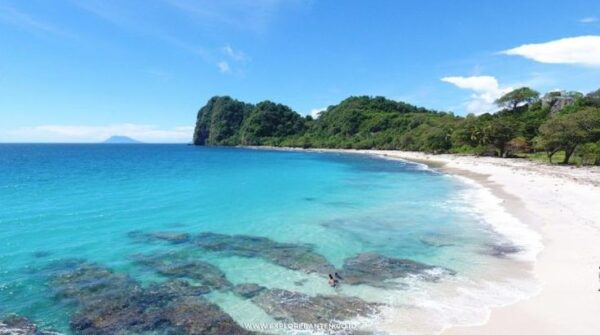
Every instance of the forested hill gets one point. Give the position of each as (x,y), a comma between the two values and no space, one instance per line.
(565,122)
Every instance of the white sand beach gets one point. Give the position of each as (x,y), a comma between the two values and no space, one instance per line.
(562,203)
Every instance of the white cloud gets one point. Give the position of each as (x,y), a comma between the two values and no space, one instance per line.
(236,55)
(316,112)
(485,91)
(581,50)
(82,133)
(224,67)
(589,19)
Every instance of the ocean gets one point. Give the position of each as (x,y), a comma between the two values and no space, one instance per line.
(417,250)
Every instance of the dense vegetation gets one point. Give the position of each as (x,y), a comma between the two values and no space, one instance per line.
(526,125)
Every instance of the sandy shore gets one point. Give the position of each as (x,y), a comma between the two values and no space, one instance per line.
(561,203)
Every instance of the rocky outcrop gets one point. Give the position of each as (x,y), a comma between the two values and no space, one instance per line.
(248,290)
(289,306)
(501,250)
(558,100)
(18,325)
(181,265)
(375,269)
(219,121)
(293,256)
(111,303)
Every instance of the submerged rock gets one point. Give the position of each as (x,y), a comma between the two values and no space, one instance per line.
(197,316)
(41,254)
(180,266)
(300,282)
(19,325)
(502,250)
(374,269)
(300,257)
(78,281)
(438,241)
(110,303)
(171,237)
(248,290)
(290,306)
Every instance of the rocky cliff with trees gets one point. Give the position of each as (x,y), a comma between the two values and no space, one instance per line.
(565,124)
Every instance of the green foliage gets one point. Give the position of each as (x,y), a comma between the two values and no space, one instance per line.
(513,99)
(525,129)
(517,144)
(567,131)
(219,121)
(498,132)
(589,153)
(268,121)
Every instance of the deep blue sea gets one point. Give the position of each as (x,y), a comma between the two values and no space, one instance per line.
(94,202)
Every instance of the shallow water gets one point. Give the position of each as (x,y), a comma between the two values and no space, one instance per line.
(83,201)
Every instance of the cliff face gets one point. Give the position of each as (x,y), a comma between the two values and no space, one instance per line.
(225,121)
(219,121)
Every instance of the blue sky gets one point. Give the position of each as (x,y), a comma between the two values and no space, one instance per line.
(81,70)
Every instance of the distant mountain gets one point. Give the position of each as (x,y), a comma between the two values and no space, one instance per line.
(117,139)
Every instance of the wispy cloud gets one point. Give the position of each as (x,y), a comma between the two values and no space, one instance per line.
(237,55)
(581,50)
(15,17)
(247,15)
(129,19)
(485,91)
(589,19)
(84,133)
(235,60)
(123,16)
(224,67)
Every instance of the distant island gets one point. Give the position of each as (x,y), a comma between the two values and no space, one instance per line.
(560,125)
(119,139)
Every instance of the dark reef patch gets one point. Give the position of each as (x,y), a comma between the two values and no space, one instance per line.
(181,265)
(248,290)
(289,306)
(168,236)
(374,270)
(18,325)
(438,241)
(111,303)
(300,257)
(41,254)
(501,250)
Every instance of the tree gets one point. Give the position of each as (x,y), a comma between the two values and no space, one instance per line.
(567,131)
(589,153)
(517,144)
(498,132)
(513,99)
(269,119)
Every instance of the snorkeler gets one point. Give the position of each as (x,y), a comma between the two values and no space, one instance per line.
(332,281)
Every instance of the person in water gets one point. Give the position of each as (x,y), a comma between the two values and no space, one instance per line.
(332,281)
(337,276)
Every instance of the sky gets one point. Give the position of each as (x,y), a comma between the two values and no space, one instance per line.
(83,70)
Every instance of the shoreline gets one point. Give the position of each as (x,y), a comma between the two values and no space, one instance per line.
(560,203)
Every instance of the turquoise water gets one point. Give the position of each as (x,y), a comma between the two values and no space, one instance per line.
(65,201)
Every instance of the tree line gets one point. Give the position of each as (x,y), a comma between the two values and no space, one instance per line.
(561,123)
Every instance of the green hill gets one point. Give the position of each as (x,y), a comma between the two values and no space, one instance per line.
(525,125)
